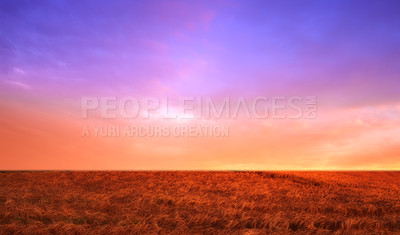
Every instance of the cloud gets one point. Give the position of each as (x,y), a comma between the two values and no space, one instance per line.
(19,84)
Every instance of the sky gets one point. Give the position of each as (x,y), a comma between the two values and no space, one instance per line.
(345,53)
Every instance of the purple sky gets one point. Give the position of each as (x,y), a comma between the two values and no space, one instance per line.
(346,48)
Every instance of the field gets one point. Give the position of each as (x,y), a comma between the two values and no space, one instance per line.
(199,202)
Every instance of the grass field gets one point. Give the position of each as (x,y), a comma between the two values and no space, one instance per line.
(200,202)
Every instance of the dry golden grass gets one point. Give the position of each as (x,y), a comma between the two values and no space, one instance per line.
(199,202)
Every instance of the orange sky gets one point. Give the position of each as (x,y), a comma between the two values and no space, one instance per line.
(46,137)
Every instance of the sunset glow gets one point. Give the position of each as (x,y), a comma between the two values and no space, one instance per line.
(346,54)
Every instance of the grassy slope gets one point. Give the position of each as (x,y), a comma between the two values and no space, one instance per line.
(203,202)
